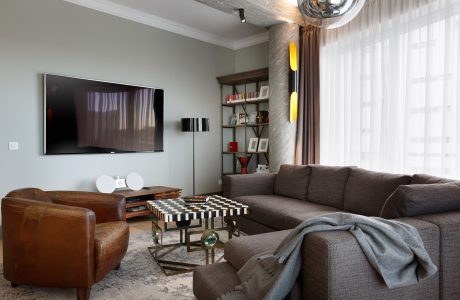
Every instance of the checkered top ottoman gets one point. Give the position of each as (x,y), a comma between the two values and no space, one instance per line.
(171,210)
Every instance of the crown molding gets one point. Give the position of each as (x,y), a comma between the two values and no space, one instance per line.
(251,41)
(138,16)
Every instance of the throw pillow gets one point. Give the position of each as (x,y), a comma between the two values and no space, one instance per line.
(420,199)
(367,191)
(425,179)
(292,181)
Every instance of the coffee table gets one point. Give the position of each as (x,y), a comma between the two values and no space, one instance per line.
(188,219)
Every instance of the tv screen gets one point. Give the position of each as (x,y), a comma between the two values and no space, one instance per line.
(90,116)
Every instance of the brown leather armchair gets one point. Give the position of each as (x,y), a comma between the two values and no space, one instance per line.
(62,239)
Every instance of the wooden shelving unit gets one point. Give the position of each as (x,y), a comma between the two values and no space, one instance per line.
(239,83)
(136,200)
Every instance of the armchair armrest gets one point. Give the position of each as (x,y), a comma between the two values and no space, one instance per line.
(335,267)
(107,207)
(43,241)
(248,184)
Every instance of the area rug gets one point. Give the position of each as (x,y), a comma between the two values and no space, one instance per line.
(138,278)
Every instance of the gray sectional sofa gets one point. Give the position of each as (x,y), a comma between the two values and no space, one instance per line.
(333,264)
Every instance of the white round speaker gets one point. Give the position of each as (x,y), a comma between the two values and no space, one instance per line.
(105,184)
(134,181)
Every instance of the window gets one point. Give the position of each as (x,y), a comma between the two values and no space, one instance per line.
(390,86)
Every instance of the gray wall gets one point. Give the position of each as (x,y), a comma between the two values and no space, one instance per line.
(251,58)
(58,37)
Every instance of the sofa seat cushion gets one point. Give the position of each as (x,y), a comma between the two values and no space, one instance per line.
(327,185)
(367,191)
(212,281)
(239,250)
(419,199)
(110,245)
(292,181)
(280,212)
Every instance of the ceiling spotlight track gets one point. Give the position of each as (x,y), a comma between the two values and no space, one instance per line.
(241,13)
(329,13)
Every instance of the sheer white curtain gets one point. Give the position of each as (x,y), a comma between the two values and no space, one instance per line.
(390,88)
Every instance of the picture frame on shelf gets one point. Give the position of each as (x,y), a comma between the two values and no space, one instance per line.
(264,92)
(242,118)
(253,143)
(263,145)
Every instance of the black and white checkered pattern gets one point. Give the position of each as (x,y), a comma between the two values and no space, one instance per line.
(170,210)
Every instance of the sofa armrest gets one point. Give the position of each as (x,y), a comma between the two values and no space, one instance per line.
(248,184)
(107,207)
(449,225)
(335,267)
(45,244)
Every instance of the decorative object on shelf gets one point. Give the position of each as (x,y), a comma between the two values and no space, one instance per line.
(194,125)
(253,142)
(244,164)
(262,116)
(264,92)
(252,118)
(263,145)
(105,184)
(236,98)
(293,83)
(329,13)
(234,120)
(262,169)
(233,146)
(134,181)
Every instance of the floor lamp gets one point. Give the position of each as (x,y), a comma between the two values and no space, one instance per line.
(194,125)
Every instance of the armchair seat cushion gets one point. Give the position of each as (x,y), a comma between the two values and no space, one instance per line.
(110,245)
(280,212)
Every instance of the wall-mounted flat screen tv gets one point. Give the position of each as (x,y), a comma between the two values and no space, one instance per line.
(90,116)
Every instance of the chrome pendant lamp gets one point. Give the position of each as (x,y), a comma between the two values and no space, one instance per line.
(329,13)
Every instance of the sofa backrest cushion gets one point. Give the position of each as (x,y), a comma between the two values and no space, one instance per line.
(367,191)
(327,185)
(421,199)
(427,179)
(292,181)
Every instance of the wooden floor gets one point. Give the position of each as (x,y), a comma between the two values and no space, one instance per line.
(136,225)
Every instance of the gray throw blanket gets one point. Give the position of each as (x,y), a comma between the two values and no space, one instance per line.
(393,248)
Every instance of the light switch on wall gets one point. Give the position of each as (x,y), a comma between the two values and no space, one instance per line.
(13,146)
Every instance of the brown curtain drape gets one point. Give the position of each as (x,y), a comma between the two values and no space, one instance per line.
(307,135)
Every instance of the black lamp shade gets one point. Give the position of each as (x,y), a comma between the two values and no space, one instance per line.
(195,124)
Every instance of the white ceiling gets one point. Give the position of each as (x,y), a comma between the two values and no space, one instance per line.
(185,17)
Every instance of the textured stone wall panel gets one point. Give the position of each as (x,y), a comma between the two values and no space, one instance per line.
(282,133)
